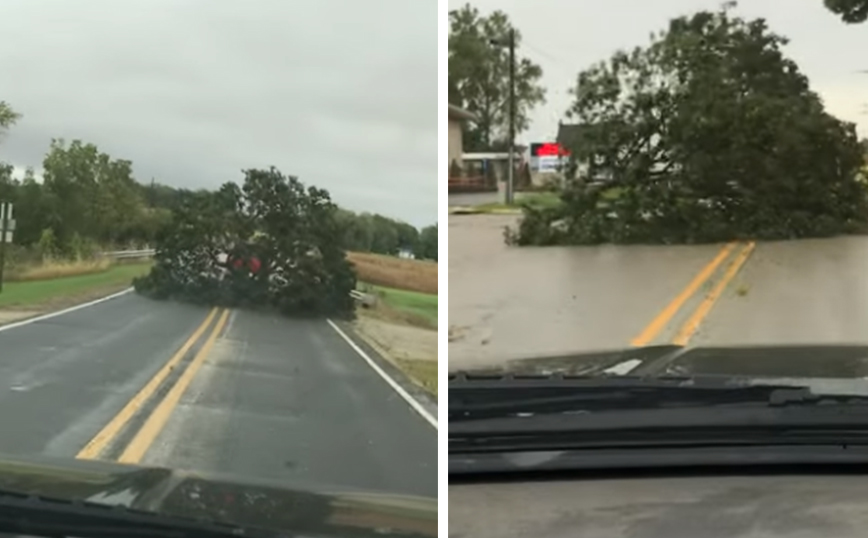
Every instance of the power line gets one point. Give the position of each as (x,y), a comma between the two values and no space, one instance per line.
(567,70)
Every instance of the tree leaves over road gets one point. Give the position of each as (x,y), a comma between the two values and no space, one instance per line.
(479,77)
(291,230)
(708,134)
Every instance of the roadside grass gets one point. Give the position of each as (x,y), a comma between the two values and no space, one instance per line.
(56,269)
(403,306)
(423,372)
(30,292)
(537,200)
(393,272)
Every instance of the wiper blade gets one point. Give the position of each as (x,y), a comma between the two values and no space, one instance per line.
(40,516)
(501,397)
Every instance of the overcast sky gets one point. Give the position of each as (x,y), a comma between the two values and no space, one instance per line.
(342,94)
(566,36)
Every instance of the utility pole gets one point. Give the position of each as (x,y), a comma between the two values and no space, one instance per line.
(510,177)
(510,173)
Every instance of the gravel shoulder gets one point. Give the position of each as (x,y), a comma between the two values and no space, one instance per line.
(412,349)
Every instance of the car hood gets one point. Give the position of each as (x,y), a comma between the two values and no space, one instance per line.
(831,365)
(223,498)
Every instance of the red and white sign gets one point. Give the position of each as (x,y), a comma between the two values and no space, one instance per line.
(547,156)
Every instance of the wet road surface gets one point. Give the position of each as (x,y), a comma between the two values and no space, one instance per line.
(268,397)
(508,302)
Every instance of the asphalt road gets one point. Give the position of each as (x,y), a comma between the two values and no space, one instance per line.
(267,397)
(508,302)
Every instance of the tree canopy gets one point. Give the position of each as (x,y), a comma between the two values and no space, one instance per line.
(8,117)
(479,77)
(850,11)
(290,229)
(707,134)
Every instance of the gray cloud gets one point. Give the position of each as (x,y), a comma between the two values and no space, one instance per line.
(566,36)
(341,93)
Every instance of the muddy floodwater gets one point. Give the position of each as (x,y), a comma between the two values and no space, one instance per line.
(520,302)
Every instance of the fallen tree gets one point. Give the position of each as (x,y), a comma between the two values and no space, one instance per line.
(708,134)
(270,243)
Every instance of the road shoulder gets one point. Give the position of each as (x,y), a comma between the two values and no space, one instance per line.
(13,315)
(425,399)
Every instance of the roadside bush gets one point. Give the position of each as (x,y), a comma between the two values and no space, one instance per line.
(291,229)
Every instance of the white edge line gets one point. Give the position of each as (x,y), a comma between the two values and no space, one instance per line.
(392,383)
(64,311)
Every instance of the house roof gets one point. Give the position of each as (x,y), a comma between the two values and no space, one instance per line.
(458,113)
(570,134)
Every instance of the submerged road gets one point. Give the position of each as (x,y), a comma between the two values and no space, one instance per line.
(520,302)
(237,392)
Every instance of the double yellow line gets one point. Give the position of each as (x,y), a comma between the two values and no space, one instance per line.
(159,416)
(686,331)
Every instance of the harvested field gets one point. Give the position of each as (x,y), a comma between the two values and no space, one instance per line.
(392,272)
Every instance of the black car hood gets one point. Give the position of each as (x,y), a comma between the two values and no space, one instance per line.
(830,362)
(223,498)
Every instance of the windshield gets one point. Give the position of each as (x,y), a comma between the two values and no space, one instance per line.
(658,267)
(218,255)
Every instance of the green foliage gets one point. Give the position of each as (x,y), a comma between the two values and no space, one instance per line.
(708,134)
(47,244)
(479,77)
(850,11)
(293,230)
(427,246)
(8,117)
(94,195)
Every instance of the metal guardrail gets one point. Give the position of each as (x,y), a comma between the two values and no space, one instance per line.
(366,299)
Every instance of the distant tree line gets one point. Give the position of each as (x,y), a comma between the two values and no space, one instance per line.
(89,200)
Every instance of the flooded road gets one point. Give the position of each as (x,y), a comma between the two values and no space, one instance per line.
(509,302)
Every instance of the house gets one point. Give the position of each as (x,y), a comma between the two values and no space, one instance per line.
(457,115)
(570,134)
(570,137)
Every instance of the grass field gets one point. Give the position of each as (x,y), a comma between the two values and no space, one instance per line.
(410,307)
(56,269)
(35,292)
(397,273)
(423,304)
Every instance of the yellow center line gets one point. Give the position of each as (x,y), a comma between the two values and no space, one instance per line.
(158,419)
(657,324)
(95,446)
(692,324)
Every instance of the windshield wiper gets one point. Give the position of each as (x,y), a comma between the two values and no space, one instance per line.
(41,516)
(509,414)
(502,397)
